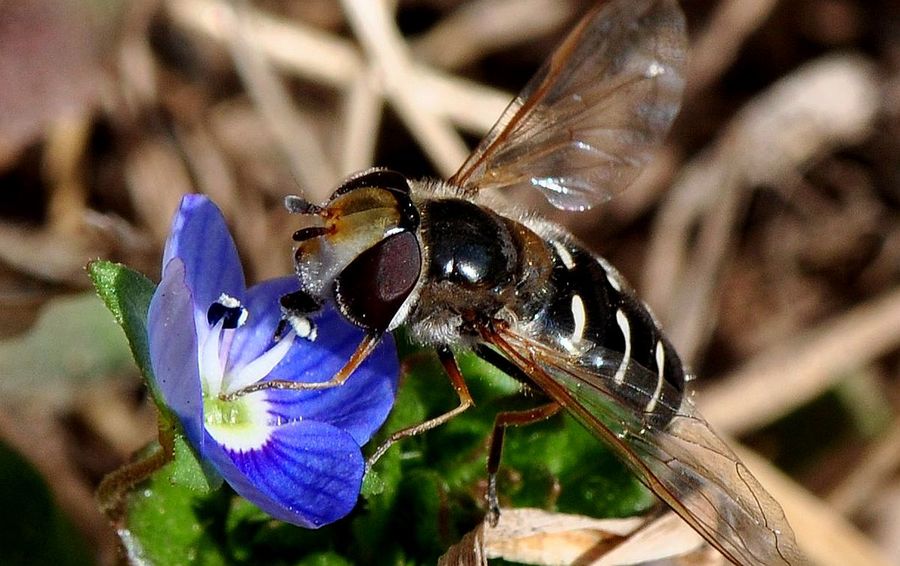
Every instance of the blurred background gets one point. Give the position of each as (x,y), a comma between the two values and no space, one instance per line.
(765,236)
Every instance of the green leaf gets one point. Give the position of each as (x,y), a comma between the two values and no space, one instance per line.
(556,464)
(373,523)
(423,498)
(188,471)
(256,538)
(324,559)
(127,295)
(564,467)
(32,530)
(372,485)
(175,523)
(165,516)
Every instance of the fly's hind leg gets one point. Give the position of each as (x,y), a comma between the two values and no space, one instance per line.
(507,419)
(501,422)
(465,401)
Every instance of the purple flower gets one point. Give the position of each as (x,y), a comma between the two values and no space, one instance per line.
(295,454)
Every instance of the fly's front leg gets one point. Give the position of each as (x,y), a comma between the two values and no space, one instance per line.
(465,401)
(295,310)
(366,347)
(501,422)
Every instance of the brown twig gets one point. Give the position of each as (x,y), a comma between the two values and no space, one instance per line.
(821,106)
(332,61)
(535,536)
(376,31)
(479,28)
(295,134)
(362,107)
(718,44)
(875,467)
(796,371)
(821,532)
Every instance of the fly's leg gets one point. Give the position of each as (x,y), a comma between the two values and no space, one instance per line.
(506,419)
(501,422)
(465,401)
(368,344)
(295,308)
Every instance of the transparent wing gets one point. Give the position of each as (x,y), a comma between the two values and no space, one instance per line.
(683,461)
(587,123)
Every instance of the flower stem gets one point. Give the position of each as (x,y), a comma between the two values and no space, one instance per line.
(112,490)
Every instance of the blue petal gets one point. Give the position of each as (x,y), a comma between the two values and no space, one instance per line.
(263,304)
(362,403)
(336,341)
(360,406)
(308,473)
(201,240)
(173,350)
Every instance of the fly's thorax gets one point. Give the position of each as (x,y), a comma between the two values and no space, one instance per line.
(479,265)
(469,247)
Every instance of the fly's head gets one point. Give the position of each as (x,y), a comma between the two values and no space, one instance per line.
(362,250)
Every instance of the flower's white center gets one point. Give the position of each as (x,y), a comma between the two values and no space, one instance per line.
(244,423)
(241,425)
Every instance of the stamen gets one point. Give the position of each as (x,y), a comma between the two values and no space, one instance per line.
(303,326)
(211,368)
(225,347)
(260,367)
(229,301)
(229,310)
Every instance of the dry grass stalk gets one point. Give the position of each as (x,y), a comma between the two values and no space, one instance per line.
(797,371)
(823,105)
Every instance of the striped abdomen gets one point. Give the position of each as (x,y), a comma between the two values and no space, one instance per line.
(593,315)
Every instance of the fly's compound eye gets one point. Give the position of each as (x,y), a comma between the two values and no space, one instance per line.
(371,290)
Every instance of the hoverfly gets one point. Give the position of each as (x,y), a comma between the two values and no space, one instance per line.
(459,269)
